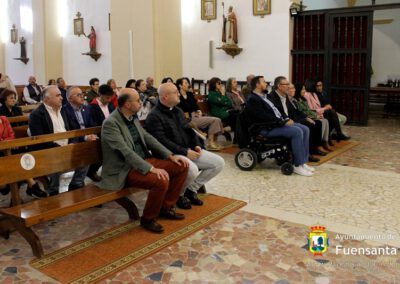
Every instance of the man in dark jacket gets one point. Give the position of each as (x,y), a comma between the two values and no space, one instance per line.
(101,107)
(167,123)
(260,109)
(79,115)
(49,118)
(281,101)
(32,92)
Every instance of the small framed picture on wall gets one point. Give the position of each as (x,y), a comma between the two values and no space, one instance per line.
(261,7)
(208,10)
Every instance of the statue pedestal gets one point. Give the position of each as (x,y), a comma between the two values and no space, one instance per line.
(95,55)
(231,49)
(23,59)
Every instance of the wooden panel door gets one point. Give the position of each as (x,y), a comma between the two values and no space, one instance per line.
(349,60)
(336,46)
(308,52)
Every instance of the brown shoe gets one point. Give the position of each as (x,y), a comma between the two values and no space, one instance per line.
(325,146)
(151,225)
(171,214)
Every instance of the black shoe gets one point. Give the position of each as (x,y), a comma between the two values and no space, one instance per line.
(319,153)
(72,187)
(192,196)
(183,203)
(36,192)
(202,190)
(313,159)
(342,137)
(151,225)
(94,177)
(5,190)
(171,214)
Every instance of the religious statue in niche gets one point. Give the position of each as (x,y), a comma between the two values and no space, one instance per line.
(230,33)
(92,40)
(23,57)
(92,44)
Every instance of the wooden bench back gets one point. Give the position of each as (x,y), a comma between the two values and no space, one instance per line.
(20,131)
(48,161)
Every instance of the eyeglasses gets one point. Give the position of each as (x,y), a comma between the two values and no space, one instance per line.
(80,95)
(287,84)
(319,85)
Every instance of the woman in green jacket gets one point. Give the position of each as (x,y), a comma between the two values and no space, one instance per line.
(302,104)
(220,104)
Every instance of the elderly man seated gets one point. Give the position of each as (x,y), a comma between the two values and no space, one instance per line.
(167,123)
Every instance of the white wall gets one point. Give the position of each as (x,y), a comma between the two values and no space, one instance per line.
(386,48)
(15,69)
(137,17)
(78,68)
(265,42)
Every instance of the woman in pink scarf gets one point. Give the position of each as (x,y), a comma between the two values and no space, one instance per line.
(323,112)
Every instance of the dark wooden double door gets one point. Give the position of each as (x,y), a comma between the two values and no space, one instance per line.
(336,47)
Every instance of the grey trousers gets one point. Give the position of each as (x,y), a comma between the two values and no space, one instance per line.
(213,124)
(202,170)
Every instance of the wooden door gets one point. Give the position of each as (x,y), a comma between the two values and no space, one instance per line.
(336,46)
(350,46)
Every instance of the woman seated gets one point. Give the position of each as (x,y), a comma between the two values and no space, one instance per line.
(6,133)
(220,104)
(8,101)
(301,102)
(326,111)
(234,94)
(189,106)
(113,85)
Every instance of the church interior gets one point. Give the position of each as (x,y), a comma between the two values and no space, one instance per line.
(346,208)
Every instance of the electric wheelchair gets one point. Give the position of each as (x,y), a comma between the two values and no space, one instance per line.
(255,148)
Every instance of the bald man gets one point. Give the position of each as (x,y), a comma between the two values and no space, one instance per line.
(32,92)
(168,124)
(127,160)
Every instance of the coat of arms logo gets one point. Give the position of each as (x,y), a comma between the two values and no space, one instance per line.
(318,240)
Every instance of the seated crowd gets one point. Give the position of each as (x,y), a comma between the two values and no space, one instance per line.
(154,138)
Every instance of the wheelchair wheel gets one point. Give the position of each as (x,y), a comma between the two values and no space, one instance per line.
(280,160)
(246,159)
(287,169)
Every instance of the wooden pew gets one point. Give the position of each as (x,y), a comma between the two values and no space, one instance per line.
(20,131)
(59,159)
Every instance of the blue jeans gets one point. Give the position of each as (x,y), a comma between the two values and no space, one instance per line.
(299,136)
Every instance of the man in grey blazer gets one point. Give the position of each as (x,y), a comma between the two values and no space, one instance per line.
(127,161)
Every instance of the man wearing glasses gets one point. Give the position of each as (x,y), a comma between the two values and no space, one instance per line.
(262,110)
(50,117)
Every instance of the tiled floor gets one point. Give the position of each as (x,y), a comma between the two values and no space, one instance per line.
(355,193)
